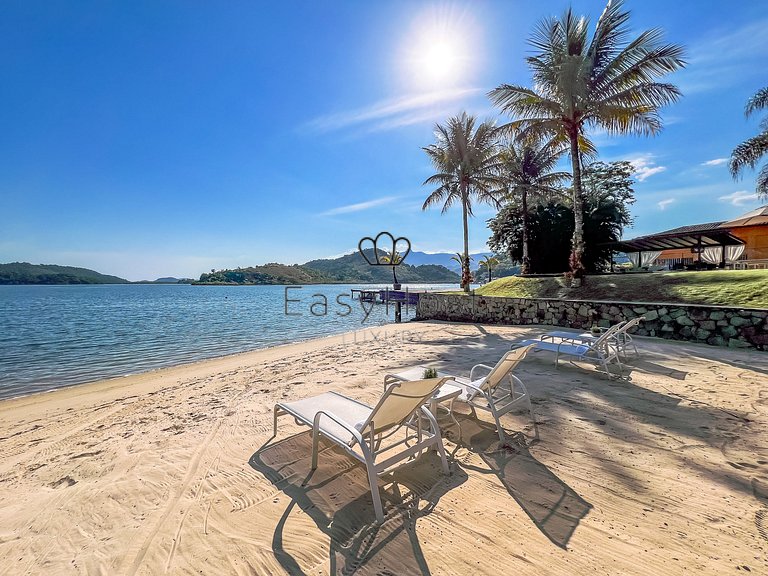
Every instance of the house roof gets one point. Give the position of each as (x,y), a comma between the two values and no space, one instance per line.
(757,217)
(710,234)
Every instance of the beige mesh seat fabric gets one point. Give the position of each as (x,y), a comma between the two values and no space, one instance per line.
(361,430)
(499,391)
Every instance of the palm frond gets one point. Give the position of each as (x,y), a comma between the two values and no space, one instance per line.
(758,102)
(748,153)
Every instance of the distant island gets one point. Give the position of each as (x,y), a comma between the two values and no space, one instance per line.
(26,273)
(348,269)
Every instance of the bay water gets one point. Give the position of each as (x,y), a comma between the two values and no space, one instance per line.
(56,336)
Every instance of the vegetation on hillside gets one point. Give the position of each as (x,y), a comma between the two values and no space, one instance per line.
(26,273)
(719,287)
(348,269)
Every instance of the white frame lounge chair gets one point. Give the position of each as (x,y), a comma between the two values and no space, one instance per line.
(603,350)
(621,336)
(488,392)
(360,429)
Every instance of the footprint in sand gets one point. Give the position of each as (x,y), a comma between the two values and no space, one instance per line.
(65,482)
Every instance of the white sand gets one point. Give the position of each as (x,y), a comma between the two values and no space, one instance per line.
(168,472)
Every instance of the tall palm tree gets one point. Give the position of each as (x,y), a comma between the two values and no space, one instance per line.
(749,152)
(527,167)
(465,156)
(608,81)
(488,262)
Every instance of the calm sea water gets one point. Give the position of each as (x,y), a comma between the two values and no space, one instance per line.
(55,336)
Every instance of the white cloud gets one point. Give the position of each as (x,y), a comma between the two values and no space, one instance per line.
(715,162)
(739,198)
(359,207)
(388,114)
(664,203)
(645,167)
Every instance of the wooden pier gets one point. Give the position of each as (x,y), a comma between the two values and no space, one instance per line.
(386,296)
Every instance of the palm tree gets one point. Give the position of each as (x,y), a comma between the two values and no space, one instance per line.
(527,165)
(488,262)
(749,152)
(465,157)
(608,81)
(459,259)
(393,257)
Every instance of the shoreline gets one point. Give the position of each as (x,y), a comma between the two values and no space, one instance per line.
(205,364)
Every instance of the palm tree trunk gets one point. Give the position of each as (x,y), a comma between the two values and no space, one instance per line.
(465,263)
(526,265)
(577,243)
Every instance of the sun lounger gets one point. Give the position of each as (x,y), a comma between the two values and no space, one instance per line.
(360,429)
(603,350)
(498,392)
(621,336)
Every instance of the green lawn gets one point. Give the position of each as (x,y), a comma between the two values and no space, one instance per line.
(747,288)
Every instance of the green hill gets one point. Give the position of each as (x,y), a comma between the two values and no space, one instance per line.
(26,273)
(272,273)
(348,269)
(352,268)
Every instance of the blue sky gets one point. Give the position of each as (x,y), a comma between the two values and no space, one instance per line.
(147,139)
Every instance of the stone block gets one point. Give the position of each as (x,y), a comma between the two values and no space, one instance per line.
(686,332)
(717,315)
(739,321)
(651,315)
(684,321)
(736,343)
(665,317)
(716,341)
(702,334)
(707,324)
(722,322)
(640,310)
(728,331)
(676,313)
(667,328)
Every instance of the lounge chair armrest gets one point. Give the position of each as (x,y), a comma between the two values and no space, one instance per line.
(348,427)
(475,367)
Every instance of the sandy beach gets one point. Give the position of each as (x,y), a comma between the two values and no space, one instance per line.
(176,472)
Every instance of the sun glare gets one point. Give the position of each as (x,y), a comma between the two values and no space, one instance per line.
(437,49)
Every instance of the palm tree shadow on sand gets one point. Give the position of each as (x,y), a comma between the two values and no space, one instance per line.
(553,506)
(336,496)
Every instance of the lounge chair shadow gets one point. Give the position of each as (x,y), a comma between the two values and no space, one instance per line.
(553,506)
(648,367)
(337,497)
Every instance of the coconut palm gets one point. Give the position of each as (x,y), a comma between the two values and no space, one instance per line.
(488,262)
(394,258)
(459,259)
(465,156)
(749,152)
(608,81)
(527,165)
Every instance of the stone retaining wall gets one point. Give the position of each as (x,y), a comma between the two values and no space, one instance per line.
(715,325)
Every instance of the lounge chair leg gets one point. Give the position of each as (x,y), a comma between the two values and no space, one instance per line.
(274,429)
(315,443)
(373,480)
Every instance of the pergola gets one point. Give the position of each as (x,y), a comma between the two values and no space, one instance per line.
(696,238)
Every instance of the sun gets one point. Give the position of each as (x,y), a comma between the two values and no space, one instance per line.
(437,50)
(440,62)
